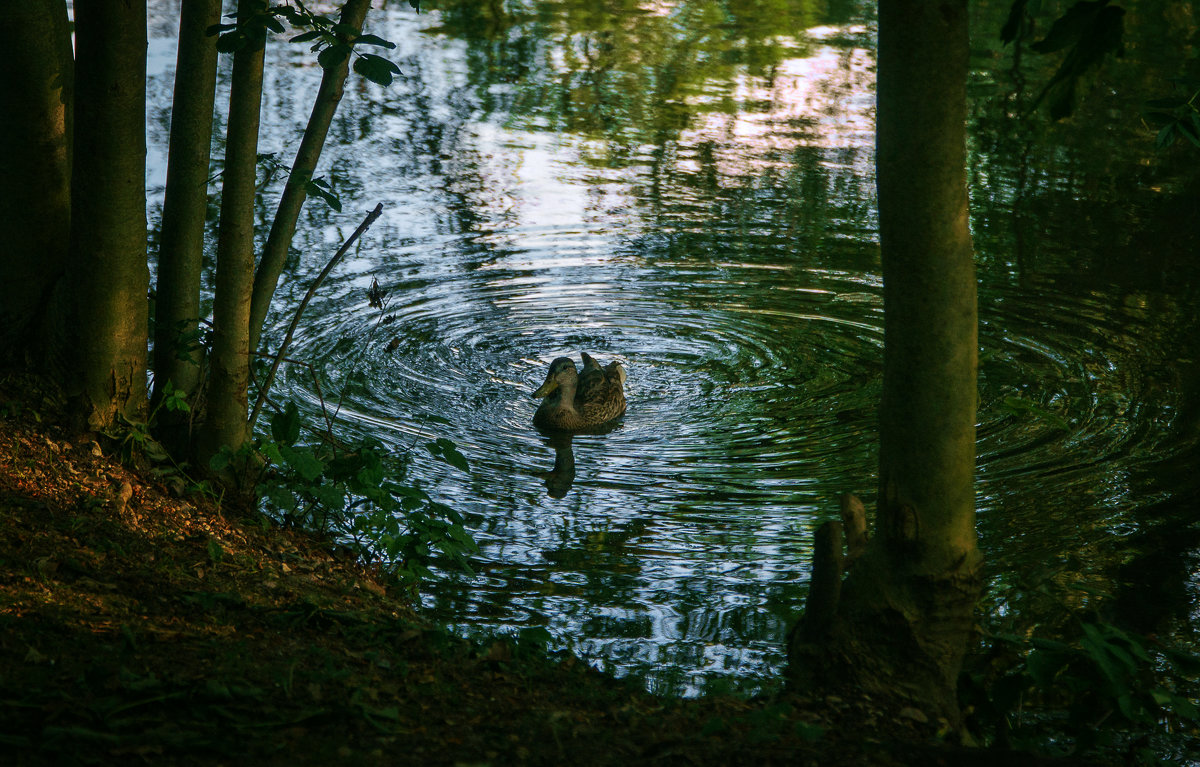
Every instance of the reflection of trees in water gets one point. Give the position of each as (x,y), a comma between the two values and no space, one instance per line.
(1089,222)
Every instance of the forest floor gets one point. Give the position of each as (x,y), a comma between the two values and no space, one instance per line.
(136,626)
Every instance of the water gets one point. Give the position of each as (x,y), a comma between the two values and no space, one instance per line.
(690,192)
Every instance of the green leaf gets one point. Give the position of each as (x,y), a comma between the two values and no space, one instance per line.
(221,460)
(304,37)
(281,497)
(1072,26)
(374,40)
(410,504)
(1183,707)
(231,42)
(409,492)
(285,426)
(1043,666)
(271,452)
(315,189)
(446,512)
(333,56)
(537,635)
(377,69)
(330,496)
(1016,17)
(1186,662)
(303,461)
(1050,645)
(1165,137)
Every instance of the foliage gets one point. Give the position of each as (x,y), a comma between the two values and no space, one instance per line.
(1104,688)
(1087,32)
(333,41)
(136,438)
(315,186)
(350,493)
(1177,116)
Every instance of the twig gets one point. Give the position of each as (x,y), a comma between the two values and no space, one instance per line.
(312,371)
(312,290)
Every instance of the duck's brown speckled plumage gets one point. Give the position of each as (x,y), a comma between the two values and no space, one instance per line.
(574,401)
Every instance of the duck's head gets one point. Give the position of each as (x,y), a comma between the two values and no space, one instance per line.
(562,373)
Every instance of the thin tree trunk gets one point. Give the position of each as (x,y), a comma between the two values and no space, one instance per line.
(108,201)
(225,419)
(283,229)
(905,612)
(35,172)
(185,204)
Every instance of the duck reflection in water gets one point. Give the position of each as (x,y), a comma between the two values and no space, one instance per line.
(560,478)
(576,402)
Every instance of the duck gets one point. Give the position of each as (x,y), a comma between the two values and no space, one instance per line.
(575,401)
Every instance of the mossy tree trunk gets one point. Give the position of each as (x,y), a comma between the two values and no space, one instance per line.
(283,228)
(107,263)
(185,204)
(35,174)
(225,422)
(905,613)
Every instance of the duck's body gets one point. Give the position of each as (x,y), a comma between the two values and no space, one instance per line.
(574,401)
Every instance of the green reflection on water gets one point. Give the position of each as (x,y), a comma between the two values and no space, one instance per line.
(688,187)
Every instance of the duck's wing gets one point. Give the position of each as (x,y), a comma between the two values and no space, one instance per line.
(592,386)
(591,380)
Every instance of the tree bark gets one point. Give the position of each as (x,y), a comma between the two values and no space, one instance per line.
(36,95)
(185,204)
(107,264)
(927,414)
(906,610)
(283,229)
(227,408)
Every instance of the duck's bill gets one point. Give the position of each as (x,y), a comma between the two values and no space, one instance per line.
(546,389)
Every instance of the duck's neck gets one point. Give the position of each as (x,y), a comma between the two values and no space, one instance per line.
(566,394)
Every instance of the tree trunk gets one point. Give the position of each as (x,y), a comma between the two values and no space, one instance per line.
(185,204)
(227,409)
(35,172)
(906,611)
(107,264)
(329,95)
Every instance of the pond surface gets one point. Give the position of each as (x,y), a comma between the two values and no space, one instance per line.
(687,187)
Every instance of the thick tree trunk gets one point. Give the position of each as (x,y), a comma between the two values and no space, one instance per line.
(283,229)
(227,408)
(927,416)
(108,209)
(185,204)
(36,97)
(905,613)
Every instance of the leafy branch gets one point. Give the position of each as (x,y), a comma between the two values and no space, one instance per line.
(333,41)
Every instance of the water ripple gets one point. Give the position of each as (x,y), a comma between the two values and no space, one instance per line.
(752,392)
